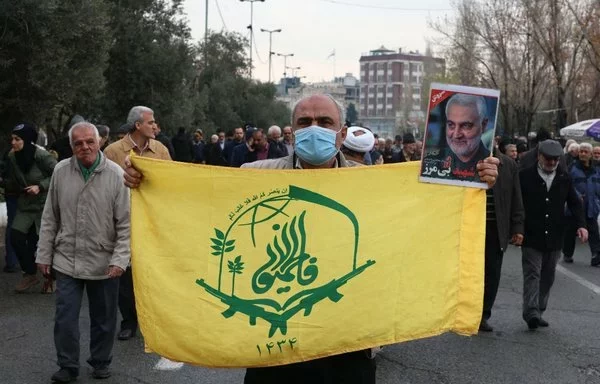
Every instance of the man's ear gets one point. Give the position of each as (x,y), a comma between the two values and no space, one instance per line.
(344,131)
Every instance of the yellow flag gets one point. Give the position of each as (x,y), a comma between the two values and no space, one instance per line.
(248,267)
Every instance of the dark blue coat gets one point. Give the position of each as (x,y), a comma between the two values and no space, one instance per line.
(587,184)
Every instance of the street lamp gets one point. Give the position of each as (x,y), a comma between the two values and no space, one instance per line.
(250,28)
(284,62)
(270,44)
(294,69)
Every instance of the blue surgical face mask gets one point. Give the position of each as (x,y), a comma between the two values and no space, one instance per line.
(316,145)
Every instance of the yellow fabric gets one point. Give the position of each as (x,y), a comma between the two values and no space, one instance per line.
(417,270)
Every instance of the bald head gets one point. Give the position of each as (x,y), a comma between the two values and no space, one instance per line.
(323,106)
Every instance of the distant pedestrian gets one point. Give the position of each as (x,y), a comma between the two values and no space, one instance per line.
(199,147)
(545,188)
(183,146)
(30,171)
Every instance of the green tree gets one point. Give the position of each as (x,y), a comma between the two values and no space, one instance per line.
(52,57)
(151,62)
(225,97)
(351,113)
(235,268)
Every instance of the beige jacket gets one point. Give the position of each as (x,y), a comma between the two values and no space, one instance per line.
(85,225)
(119,150)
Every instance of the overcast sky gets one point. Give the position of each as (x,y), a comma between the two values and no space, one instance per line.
(313,29)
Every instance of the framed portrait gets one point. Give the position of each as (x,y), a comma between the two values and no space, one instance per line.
(459,133)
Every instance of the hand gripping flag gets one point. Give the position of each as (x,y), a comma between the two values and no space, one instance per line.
(245,268)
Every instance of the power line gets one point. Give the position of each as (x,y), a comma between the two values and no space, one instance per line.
(256,50)
(220,14)
(387,8)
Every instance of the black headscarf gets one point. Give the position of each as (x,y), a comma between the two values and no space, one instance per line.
(26,157)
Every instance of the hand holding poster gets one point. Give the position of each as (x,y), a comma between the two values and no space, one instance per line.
(459,134)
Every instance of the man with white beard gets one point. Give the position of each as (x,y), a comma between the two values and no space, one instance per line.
(466,121)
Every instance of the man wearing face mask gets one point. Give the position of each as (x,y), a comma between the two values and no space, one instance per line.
(319,132)
(545,189)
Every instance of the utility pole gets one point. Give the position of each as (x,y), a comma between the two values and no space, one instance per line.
(270,46)
(206,36)
(294,69)
(285,56)
(250,28)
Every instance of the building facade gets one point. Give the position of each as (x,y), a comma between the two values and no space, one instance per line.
(391,87)
(345,90)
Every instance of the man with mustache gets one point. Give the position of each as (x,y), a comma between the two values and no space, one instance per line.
(466,120)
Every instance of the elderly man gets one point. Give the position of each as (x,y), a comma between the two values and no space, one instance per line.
(288,139)
(596,155)
(466,121)
(572,154)
(545,188)
(84,239)
(409,149)
(141,140)
(317,122)
(276,145)
(510,150)
(586,180)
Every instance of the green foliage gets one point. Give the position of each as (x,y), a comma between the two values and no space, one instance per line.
(52,56)
(98,58)
(226,96)
(151,63)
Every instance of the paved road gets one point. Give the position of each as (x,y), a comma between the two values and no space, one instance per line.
(567,352)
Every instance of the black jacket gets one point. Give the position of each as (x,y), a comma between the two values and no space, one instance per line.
(183,147)
(242,155)
(530,158)
(545,210)
(164,140)
(508,202)
(215,155)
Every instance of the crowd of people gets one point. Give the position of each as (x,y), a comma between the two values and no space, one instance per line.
(69,212)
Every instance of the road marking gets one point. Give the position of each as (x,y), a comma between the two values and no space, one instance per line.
(165,364)
(593,287)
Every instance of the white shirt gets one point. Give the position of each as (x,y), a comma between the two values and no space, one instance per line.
(547,177)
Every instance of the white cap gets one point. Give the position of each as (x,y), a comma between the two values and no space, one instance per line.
(359,139)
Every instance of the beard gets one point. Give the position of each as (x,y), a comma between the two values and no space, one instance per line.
(464,147)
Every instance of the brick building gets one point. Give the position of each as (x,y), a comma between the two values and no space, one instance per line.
(391,88)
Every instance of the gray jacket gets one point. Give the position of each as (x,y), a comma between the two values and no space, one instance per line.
(85,225)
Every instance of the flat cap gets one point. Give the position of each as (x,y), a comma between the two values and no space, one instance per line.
(550,148)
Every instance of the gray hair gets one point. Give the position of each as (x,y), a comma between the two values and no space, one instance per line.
(573,146)
(588,146)
(273,129)
(83,124)
(339,107)
(135,114)
(464,100)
